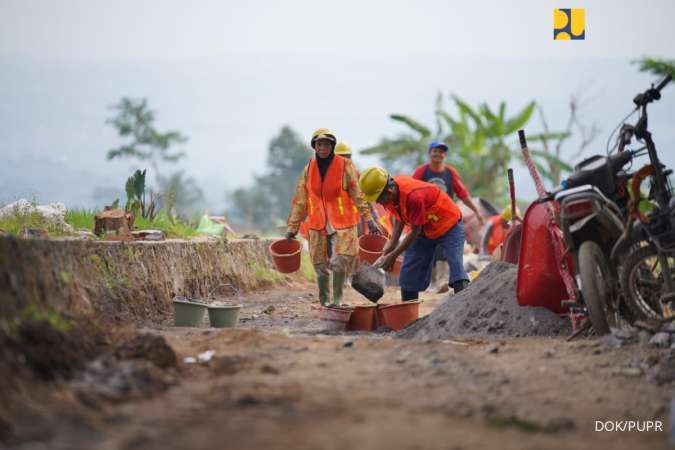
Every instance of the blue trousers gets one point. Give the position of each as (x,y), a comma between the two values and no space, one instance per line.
(419,259)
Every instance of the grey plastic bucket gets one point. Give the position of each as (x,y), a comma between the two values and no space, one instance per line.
(187,313)
(226,316)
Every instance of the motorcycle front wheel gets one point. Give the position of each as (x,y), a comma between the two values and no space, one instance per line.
(596,282)
(643,284)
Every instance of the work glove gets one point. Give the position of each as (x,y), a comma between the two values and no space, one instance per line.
(373,228)
(291,234)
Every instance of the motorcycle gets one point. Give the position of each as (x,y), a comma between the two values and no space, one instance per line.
(648,241)
(593,203)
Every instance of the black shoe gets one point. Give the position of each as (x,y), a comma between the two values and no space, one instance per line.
(460,285)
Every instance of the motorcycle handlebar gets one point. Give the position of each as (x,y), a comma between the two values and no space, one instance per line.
(664,82)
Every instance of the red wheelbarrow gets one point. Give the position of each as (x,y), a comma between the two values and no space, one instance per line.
(545,266)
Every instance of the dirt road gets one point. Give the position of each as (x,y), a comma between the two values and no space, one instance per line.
(278,382)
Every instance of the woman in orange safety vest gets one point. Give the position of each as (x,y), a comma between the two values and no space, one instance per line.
(328,197)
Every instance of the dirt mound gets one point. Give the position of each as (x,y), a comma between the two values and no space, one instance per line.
(47,351)
(488,306)
(138,368)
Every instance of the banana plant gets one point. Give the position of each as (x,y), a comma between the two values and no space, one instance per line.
(482,141)
(136,196)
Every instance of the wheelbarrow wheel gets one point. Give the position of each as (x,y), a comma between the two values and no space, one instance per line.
(595,284)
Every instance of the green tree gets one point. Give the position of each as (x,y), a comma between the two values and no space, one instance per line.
(182,193)
(135,122)
(482,141)
(657,66)
(266,203)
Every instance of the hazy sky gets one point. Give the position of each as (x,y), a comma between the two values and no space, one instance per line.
(230,74)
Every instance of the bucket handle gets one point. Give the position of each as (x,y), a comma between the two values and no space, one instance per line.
(232,287)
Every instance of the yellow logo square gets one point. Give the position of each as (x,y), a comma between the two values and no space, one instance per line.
(569,24)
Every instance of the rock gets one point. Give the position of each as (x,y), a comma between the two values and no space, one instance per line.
(492,349)
(549,353)
(620,337)
(660,340)
(626,334)
(54,214)
(627,371)
(644,336)
(348,344)
(85,235)
(664,372)
(205,357)
(269,370)
(560,424)
(150,348)
(269,310)
(611,341)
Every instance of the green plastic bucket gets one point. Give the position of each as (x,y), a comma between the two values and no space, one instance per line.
(187,313)
(226,316)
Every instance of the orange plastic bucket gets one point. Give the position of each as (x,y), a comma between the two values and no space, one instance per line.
(396,268)
(362,318)
(286,255)
(398,315)
(371,246)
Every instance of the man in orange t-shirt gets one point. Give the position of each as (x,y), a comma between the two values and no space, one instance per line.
(434,220)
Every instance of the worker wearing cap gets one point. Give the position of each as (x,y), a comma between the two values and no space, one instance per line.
(434,220)
(447,178)
(498,227)
(328,196)
(444,175)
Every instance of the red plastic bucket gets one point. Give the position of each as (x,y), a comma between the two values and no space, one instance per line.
(371,246)
(362,318)
(286,255)
(334,319)
(399,315)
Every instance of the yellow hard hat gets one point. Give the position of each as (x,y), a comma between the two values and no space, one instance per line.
(342,148)
(323,133)
(372,182)
(506,213)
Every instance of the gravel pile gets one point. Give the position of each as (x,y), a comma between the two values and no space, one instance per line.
(488,306)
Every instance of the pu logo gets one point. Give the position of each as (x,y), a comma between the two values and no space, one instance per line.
(569,24)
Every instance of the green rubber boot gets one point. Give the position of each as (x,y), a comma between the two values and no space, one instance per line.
(338,284)
(324,289)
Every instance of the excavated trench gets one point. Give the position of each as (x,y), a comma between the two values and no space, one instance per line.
(89,359)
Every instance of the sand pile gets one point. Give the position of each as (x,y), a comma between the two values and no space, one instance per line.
(488,306)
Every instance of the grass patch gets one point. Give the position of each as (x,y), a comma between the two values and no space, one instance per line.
(265,274)
(175,229)
(81,218)
(16,222)
(35,314)
(84,218)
